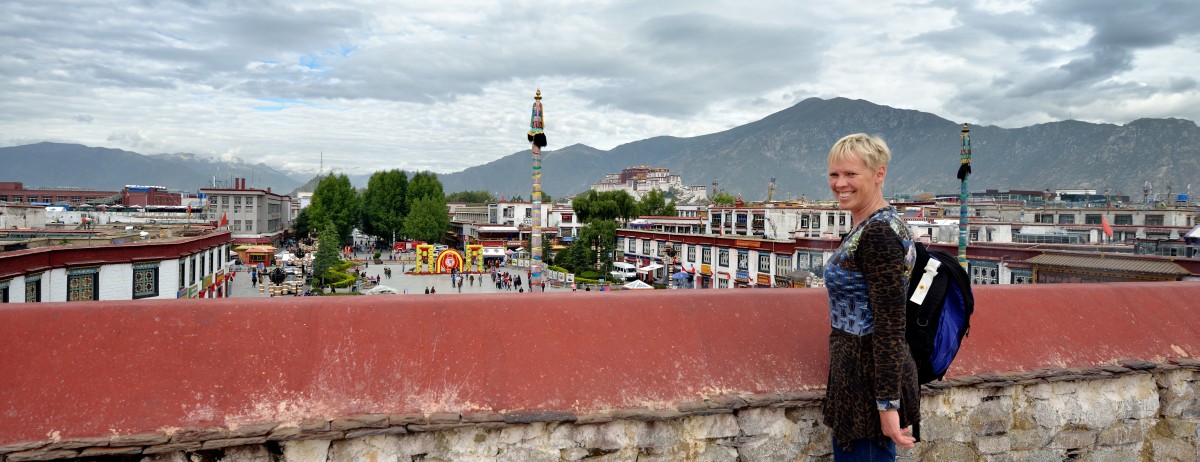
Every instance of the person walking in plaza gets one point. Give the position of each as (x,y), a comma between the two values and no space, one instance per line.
(872,399)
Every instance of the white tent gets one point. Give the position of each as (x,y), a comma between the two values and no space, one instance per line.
(380,290)
(649,268)
(638,284)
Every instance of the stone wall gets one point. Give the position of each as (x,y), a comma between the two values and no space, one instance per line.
(1046,374)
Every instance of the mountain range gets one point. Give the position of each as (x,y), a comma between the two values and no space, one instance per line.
(73,165)
(789,146)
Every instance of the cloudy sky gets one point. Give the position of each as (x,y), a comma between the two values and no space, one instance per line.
(447,84)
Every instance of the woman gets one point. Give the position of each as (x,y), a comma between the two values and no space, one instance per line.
(872,397)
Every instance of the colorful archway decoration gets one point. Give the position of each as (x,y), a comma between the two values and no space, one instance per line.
(448,261)
(424,259)
(474,258)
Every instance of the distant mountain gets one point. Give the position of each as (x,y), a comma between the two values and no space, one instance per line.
(58,164)
(791,146)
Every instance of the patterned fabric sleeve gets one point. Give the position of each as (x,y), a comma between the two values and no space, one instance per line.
(881,258)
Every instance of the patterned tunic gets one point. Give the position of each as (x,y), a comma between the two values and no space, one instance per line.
(869,360)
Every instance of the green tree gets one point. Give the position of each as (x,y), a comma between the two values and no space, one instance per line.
(327,252)
(654,203)
(336,201)
(471,197)
(597,242)
(723,198)
(428,220)
(302,225)
(607,205)
(424,184)
(385,204)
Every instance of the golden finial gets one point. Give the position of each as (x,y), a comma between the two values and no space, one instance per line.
(538,95)
(966,129)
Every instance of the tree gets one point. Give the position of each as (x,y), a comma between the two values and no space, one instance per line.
(385,204)
(424,184)
(474,197)
(336,201)
(654,203)
(302,224)
(428,219)
(607,205)
(598,242)
(327,252)
(723,198)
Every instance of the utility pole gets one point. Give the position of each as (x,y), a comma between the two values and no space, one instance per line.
(964,170)
(537,139)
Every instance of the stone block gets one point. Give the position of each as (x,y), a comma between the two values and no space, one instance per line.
(23,446)
(283,433)
(539,416)
(41,454)
(78,443)
(172,448)
(761,399)
(314,425)
(174,456)
(141,439)
(950,450)
(246,453)
(991,418)
(305,450)
(763,421)
(375,431)
(406,418)
(1169,449)
(573,454)
(362,421)
(1025,440)
(711,426)
(595,418)
(1123,433)
(1137,364)
(525,454)
(187,435)
(993,444)
(766,449)
(232,442)
(482,416)
(610,436)
(247,431)
(107,451)
(941,428)
(656,434)
(1111,454)
(435,427)
(1074,439)
(1040,455)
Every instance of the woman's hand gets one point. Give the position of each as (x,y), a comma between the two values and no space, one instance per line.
(889,421)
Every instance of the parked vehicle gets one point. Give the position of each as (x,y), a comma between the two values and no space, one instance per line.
(623,271)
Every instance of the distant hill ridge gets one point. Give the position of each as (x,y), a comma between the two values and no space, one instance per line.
(791,146)
(61,164)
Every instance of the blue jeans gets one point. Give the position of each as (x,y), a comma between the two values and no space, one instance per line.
(865,450)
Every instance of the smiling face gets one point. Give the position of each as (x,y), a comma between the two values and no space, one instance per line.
(857,188)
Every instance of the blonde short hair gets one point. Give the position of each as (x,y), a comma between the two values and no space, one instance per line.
(872,149)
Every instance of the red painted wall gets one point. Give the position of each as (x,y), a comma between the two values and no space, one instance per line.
(89,369)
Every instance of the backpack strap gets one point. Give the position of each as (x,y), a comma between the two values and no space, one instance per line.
(931,268)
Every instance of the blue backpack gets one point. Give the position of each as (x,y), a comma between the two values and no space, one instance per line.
(939,311)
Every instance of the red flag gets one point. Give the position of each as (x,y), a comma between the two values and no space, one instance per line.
(1104,224)
(224,218)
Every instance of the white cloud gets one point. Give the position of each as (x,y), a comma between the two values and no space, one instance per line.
(448,85)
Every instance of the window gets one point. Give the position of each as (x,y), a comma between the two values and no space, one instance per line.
(804,221)
(1092,219)
(723,257)
(145,280)
(632,245)
(33,289)
(764,262)
(3,291)
(203,258)
(982,273)
(743,260)
(706,255)
(783,263)
(1022,276)
(1043,218)
(1154,220)
(1123,219)
(830,219)
(841,220)
(182,274)
(646,247)
(83,284)
(192,270)
(741,220)
(237,200)
(566,218)
(1066,219)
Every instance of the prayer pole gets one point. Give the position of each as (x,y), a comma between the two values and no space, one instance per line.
(964,170)
(537,139)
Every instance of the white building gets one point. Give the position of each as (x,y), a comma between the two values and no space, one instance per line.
(638,181)
(256,216)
